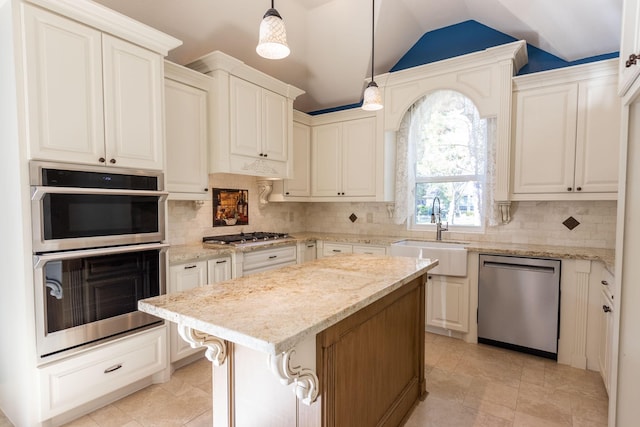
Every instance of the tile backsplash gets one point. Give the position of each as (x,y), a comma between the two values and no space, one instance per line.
(532,222)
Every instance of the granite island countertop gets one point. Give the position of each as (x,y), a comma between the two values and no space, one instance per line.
(273,311)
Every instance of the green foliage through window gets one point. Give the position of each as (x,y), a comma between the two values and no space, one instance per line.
(450,141)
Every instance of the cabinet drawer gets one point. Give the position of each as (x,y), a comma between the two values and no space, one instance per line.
(80,379)
(369,249)
(268,257)
(336,248)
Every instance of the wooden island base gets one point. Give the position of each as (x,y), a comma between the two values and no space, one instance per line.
(370,368)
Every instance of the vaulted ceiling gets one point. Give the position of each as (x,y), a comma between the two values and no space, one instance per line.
(330,40)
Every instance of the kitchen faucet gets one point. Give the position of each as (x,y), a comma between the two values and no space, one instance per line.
(438,224)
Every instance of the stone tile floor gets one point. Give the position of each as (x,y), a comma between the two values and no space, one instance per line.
(468,384)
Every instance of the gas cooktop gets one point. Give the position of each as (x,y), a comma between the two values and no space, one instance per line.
(243,238)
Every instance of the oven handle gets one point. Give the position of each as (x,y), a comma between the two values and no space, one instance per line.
(38,192)
(40,260)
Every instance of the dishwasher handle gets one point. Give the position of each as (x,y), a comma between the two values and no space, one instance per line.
(515,266)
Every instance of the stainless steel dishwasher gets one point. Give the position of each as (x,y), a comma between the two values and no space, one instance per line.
(519,304)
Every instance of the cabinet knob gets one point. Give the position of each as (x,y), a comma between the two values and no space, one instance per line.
(287,193)
(265,154)
(604,282)
(112,161)
(102,160)
(579,188)
(569,188)
(206,189)
(633,60)
(606,308)
(342,194)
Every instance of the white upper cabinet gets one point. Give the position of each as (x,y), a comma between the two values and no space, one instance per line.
(300,183)
(65,97)
(629,66)
(186,132)
(251,120)
(344,159)
(93,98)
(259,121)
(133,105)
(566,135)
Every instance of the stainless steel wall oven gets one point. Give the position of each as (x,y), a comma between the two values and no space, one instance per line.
(98,246)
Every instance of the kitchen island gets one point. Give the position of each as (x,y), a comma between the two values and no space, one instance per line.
(334,342)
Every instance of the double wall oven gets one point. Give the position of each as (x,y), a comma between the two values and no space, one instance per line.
(98,247)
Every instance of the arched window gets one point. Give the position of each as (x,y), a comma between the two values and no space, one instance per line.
(448,141)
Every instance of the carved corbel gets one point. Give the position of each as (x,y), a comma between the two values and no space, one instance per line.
(216,348)
(505,212)
(265,187)
(305,380)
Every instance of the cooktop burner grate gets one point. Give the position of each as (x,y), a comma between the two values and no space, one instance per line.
(236,239)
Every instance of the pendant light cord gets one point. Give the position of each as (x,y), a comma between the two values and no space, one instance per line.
(373,11)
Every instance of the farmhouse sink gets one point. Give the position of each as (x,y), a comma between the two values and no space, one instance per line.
(451,256)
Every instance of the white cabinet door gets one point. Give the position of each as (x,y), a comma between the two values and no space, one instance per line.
(64,88)
(186,138)
(181,278)
(72,382)
(606,338)
(545,135)
(300,184)
(274,123)
(218,270)
(598,136)
(245,117)
(133,105)
(359,157)
(447,304)
(326,157)
(629,44)
(309,252)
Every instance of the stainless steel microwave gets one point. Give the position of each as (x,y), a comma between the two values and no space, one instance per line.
(81,207)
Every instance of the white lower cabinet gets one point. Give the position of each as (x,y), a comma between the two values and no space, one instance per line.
(606,338)
(308,251)
(190,276)
(330,248)
(268,259)
(72,382)
(447,304)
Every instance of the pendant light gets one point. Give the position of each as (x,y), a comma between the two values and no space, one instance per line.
(372,98)
(273,36)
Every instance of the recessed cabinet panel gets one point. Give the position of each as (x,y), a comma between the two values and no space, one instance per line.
(359,157)
(598,136)
(545,139)
(64,88)
(218,270)
(133,105)
(326,169)
(246,117)
(186,138)
(300,184)
(274,110)
(448,302)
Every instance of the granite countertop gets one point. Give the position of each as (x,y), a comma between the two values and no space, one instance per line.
(186,253)
(273,311)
